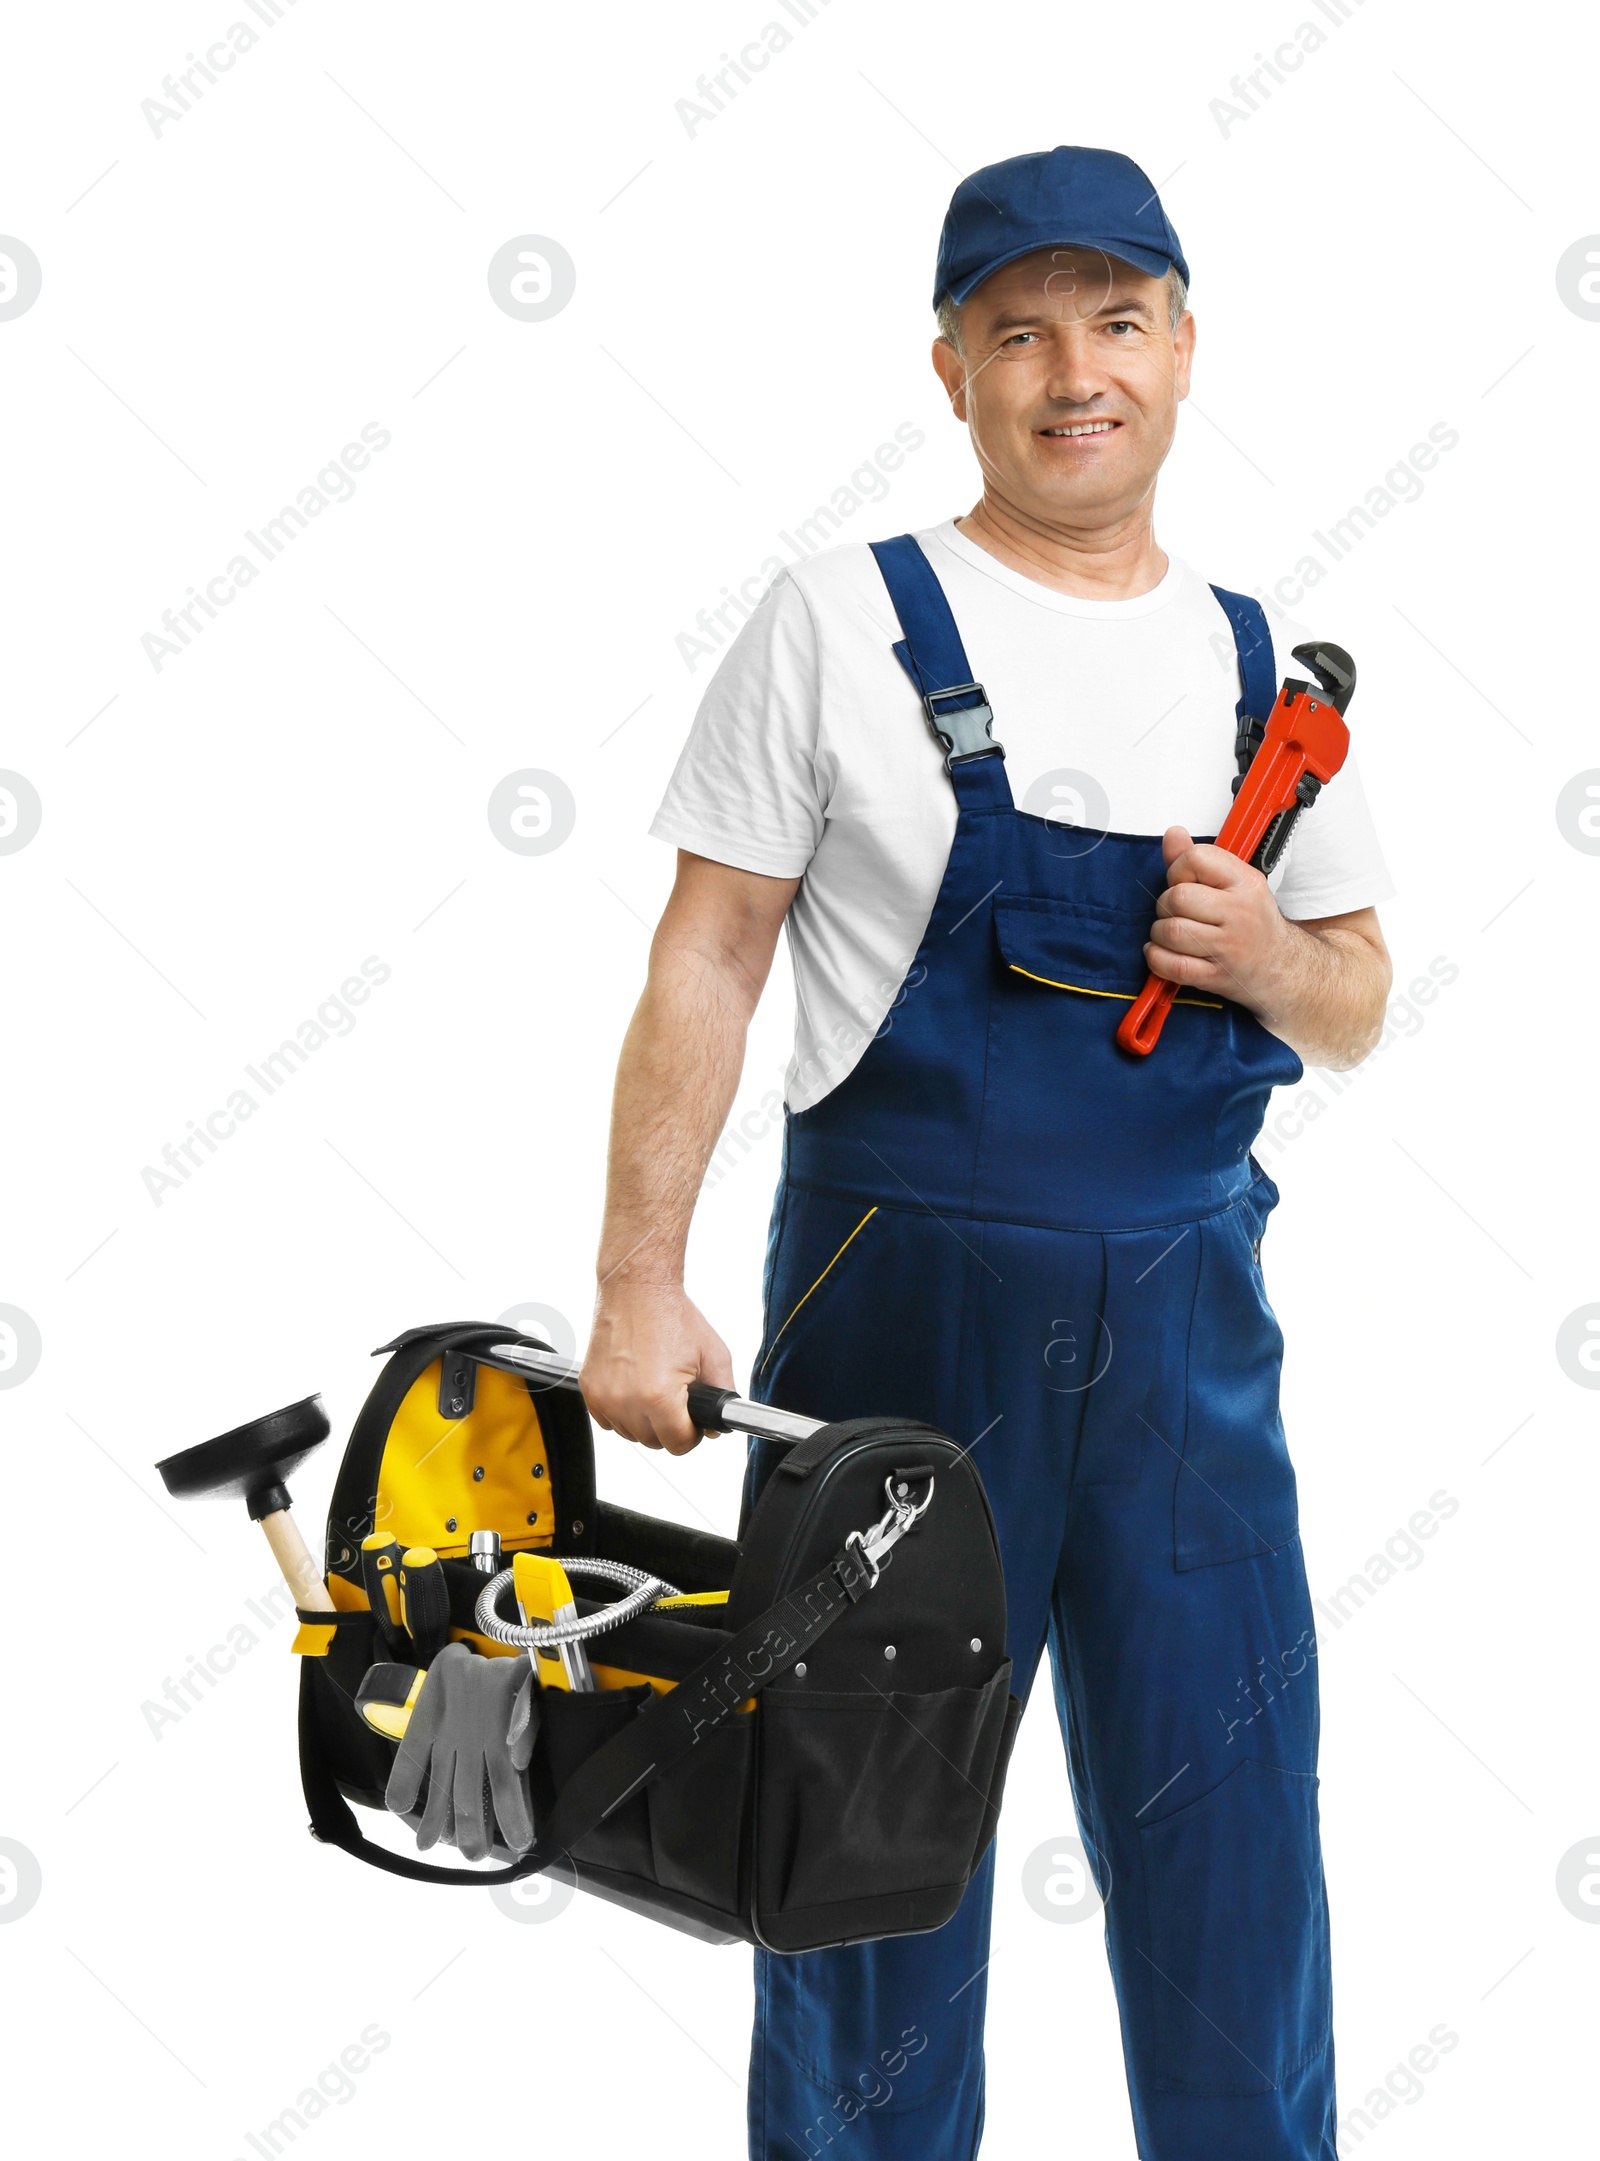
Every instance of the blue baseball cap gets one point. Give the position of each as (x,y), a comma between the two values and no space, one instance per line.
(1066,197)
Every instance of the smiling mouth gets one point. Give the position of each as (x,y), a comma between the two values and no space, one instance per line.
(1073,430)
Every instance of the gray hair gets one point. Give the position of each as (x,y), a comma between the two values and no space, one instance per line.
(948,314)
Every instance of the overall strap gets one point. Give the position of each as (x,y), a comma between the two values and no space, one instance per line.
(933,656)
(1258,671)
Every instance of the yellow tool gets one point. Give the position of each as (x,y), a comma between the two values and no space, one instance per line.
(424,1602)
(380,1558)
(544,1593)
(388,1696)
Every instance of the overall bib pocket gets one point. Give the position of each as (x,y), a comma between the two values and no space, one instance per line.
(1079,946)
(1076,1133)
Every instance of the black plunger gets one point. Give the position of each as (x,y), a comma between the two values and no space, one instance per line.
(253,1464)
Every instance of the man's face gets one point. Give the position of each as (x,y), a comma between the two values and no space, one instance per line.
(1069,382)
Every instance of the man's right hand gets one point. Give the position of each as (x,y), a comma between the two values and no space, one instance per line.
(647,1344)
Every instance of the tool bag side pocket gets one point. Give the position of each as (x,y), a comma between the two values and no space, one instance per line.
(697,1817)
(574,1726)
(871,1803)
(357,1760)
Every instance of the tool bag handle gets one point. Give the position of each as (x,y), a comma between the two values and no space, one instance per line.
(656,1742)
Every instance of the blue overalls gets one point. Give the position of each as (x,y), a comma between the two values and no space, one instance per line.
(1002,1224)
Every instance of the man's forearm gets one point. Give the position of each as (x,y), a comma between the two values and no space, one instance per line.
(1327,992)
(680,1065)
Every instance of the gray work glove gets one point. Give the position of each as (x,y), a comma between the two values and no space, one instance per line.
(461,1774)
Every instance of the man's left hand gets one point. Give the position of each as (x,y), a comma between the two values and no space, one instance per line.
(1321,986)
(1217,926)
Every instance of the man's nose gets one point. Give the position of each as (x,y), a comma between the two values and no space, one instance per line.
(1076,372)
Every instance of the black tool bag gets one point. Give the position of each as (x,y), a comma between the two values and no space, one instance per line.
(807,1749)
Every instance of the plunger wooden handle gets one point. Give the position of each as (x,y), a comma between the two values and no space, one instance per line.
(293,1557)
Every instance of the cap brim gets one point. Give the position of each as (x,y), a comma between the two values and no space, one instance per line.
(1147,260)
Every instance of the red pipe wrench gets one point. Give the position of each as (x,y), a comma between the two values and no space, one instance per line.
(1303,745)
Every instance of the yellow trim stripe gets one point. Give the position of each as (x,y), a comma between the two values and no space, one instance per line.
(865,1220)
(1127,996)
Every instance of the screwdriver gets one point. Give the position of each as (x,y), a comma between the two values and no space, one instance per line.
(425,1602)
(380,1579)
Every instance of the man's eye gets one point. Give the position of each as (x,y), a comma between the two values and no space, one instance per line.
(1017,337)
(1122,324)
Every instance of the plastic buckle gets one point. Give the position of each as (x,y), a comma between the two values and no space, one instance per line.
(968,732)
(1246,742)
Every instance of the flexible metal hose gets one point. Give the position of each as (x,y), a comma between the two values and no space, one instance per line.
(643,1591)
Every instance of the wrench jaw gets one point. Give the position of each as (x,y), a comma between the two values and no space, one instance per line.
(1334,670)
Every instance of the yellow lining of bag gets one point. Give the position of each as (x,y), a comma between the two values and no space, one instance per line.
(1083,990)
(425,1479)
(773,1345)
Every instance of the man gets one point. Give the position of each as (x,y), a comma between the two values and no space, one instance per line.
(992,1218)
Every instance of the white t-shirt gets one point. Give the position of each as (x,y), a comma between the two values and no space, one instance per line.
(810,757)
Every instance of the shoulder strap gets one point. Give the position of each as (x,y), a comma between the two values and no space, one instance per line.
(932,654)
(652,1744)
(1258,671)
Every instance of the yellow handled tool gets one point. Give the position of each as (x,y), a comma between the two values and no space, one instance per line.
(388,1696)
(544,1593)
(425,1603)
(380,1579)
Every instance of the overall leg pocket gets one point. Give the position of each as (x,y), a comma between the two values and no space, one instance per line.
(1236,1490)
(1237,1925)
(815,1255)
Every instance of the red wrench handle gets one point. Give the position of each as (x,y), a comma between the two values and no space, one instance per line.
(1147,1016)
(1305,735)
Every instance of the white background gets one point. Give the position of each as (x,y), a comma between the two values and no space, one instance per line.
(1374,250)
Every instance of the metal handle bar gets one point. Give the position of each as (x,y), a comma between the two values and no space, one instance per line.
(711,1407)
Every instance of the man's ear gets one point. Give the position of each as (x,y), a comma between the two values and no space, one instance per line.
(1183,352)
(951,370)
